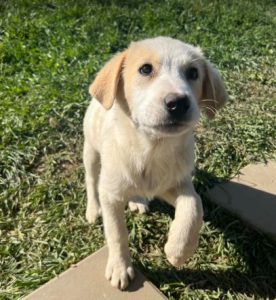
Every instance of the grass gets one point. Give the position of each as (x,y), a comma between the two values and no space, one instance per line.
(49,53)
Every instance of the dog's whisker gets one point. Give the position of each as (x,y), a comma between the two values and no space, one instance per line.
(212,109)
(209,100)
(197,59)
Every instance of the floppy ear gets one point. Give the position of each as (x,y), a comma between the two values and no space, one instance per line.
(104,87)
(214,94)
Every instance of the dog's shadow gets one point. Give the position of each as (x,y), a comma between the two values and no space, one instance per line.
(255,273)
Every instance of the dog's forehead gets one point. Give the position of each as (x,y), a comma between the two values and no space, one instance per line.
(165,47)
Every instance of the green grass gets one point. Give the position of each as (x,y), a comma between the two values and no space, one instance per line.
(49,53)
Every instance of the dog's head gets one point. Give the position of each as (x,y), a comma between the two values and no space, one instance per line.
(164,83)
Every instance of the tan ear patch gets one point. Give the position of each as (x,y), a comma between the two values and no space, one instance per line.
(104,88)
(138,56)
(214,94)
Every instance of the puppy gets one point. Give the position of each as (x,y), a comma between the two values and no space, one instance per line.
(139,143)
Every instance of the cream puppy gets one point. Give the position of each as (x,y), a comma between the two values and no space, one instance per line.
(139,143)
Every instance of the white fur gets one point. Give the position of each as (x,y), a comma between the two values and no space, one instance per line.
(126,155)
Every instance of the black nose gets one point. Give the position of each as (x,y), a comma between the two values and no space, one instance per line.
(177,105)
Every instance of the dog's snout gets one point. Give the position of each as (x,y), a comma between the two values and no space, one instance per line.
(177,105)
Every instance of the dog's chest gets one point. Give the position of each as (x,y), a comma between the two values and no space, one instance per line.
(154,173)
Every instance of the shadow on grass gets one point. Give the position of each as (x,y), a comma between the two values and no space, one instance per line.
(256,251)
(230,280)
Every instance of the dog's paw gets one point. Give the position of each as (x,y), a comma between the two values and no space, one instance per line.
(178,252)
(119,273)
(139,204)
(92,213)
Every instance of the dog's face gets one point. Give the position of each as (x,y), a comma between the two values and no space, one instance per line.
(164,83)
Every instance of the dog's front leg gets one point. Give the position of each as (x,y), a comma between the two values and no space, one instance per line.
(184,230)
(119,268)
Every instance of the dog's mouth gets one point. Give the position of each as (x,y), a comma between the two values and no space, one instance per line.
(169,127)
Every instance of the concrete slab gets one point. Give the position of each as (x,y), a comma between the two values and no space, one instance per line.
(251,196)
(86,281)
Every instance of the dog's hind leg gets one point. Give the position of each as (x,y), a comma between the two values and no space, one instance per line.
(138,204)
(91,162)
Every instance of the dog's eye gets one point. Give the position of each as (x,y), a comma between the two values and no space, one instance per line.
(146,69)
(192,73)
